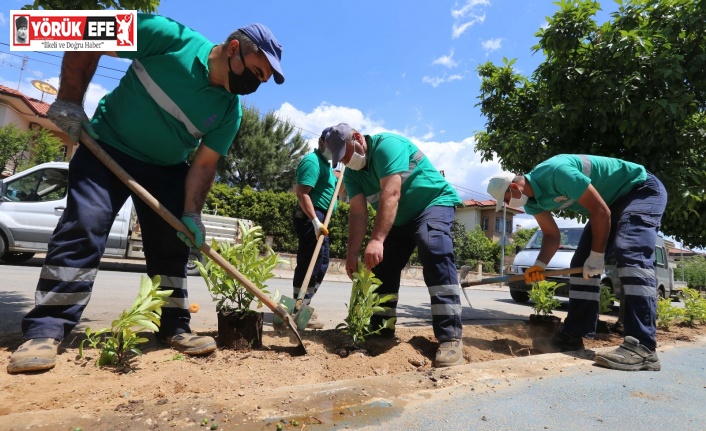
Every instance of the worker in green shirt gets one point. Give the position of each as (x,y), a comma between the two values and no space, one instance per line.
(415,209)
(624,204)
(180,94)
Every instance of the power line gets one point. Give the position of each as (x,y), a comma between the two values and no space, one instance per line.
(57,65)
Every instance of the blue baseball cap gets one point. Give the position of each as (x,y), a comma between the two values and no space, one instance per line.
(324,133)
(336,141)
(265,40)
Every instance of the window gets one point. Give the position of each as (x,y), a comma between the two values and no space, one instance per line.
(498,224)
(484,225)
(41,186)
(659,257)
(508,226)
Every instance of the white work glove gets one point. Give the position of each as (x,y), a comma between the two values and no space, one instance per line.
(594,265)
(194,224)
(70,117)
(319,228)
(535,272)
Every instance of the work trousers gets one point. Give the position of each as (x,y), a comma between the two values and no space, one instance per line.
(95,196)
(304,229)
(430,232)
(635,220)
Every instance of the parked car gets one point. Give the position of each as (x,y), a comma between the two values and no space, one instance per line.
(519,290)
(32,201)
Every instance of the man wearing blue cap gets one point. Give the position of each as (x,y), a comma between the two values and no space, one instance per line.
(180,94)
(316,183)
(415,209)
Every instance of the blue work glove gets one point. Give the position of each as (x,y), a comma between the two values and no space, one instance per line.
(193,222)
(70,117)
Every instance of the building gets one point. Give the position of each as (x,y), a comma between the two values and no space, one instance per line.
(482,213)
(29,113)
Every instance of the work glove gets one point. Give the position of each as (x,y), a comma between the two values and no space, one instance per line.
(193,222)
(594,265)
(70,117)
(319,228)
(535,272)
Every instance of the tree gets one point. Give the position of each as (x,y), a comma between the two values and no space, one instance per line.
(633,88)
(264,154)
(45,148)
(522,236)
(481,248)
(694,271)
(13,142)
(148,6)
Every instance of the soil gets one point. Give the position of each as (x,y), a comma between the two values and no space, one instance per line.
(261,389)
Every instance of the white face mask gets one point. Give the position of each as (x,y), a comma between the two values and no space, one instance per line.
(357,162)
(327,154)
(519,202)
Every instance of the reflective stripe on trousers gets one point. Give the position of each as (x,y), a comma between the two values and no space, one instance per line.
(430,232)
(70,267)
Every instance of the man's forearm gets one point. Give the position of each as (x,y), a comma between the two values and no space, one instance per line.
(77,70)
(357,225)
(198,183)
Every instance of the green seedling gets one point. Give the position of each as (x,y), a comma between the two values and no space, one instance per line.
(177,357)
(606,300)
(542,296)
(694,306)
(667,314)
(363,304)
(119,342)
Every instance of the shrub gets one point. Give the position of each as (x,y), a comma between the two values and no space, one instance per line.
(667,314)
(542,297)
(694,306)
(606,299)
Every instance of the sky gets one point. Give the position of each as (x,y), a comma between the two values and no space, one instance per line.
(407,67)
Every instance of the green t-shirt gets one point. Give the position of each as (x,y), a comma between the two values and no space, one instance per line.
(422,185)
(560,181)
(164,105)
(315,171)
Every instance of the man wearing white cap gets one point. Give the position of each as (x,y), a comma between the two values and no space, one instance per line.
(624,204)
(180,94)
(415,208)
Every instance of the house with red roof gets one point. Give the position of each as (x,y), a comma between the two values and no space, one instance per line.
(483,214)
(29,113)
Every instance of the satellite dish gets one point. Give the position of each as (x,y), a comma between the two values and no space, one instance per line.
(43,87)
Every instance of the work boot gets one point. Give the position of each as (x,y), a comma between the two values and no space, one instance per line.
(314,322)
(36,354)
(450,353)
(559,342)
(629,356)
(191,344)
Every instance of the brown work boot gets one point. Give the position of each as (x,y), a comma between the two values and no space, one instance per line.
(450,353)
(314,322)
(191,344)
(36,354)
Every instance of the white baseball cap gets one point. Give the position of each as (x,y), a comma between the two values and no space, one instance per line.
(497,186)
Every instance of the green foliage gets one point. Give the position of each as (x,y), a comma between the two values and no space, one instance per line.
(481,248)
(364,303)
(522,236)
(694,306)
(228,293)
(694,271)
(633,88)
(461,241)
(148,6)
(119,342)
(13,142)
(667,314)
(606,299)
(45,148)
(542,297)
(264,155)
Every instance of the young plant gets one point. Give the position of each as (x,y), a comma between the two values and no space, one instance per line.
(229,294)
(606,300)
(121,340)
(694,306)
(363,304)
(667,314)
(542,297)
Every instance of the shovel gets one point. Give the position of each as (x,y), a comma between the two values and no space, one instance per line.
(516,277)
(300,311)
(163,212)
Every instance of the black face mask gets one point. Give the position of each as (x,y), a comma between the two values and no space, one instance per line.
(244,84)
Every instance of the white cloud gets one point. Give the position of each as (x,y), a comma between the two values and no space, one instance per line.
(446,60)
(471,13)
(435,81)
(528,221)
(3,20)
(491,45)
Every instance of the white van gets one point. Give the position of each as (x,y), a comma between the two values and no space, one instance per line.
(519,290)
